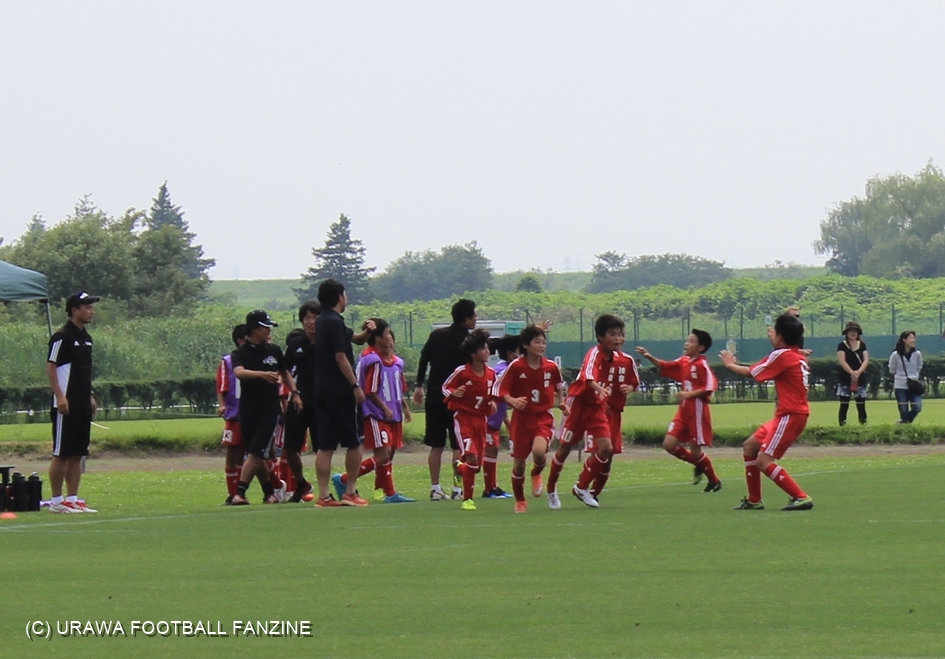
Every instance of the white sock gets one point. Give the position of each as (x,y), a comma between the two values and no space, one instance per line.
(71,498)
(57,500)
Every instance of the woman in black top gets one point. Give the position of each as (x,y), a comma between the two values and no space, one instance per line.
(851,377)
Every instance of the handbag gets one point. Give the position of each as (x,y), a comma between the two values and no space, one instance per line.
(914,387)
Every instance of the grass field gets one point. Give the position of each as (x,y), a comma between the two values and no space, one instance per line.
(660,570)
(186,434)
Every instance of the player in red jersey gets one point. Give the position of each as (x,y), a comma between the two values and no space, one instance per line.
(468,395)
(693,422)
(787,366)
(228,406)
(595,404)
(532,385)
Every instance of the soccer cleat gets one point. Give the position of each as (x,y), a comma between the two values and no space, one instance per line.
(84,508)
(340,487)
(353,500)
(397,497)
(229,501)
(327,502)
(800,504)
(553,501)
(713,487)
(501,494)
(239,500)
(62,508)
(457,494)
(538,486)
(585,496)
(468,504)
(489,494)
(301,493)
(696,475)
(521,506)
(749,505)
(272,498)
(378,494)
(438,495)
(280,493)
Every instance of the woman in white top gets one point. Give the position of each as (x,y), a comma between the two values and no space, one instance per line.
(905,363)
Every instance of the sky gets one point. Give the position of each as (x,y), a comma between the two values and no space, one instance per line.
(547,132)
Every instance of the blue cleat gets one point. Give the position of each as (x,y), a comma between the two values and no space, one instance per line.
(340,488)
(397,497)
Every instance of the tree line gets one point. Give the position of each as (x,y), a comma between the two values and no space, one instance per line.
(148,261)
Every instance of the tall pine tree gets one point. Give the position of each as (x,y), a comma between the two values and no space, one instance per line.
(341,258)
(164,213)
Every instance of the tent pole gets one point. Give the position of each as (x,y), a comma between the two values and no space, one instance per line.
(48,318)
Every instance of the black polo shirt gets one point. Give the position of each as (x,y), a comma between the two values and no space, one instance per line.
(300,359)
(441,352)
(332,336)
(257,396)
(70,349)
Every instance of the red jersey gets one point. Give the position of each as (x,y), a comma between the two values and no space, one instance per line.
(478,391)
(789,370)
(580,389)
(537,385)
(620,369)
(694,374)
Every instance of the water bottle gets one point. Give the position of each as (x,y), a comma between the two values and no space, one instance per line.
(34,489)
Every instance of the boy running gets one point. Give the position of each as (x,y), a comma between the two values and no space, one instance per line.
(693,423)
(787,366)
(532,385)
(381,375)
(595,405)
(507,350)
(467,393)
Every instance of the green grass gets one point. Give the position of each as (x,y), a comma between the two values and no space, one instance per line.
(660,570)
(646,423)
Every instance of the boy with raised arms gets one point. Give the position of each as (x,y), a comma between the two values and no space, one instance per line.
(693,422)
(787,367)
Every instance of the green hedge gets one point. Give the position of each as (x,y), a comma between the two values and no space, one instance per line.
(198,393)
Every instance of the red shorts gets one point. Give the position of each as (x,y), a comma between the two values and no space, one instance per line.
(589,419)
(231,434)
(779,433)
(525,427)
(470,433)
(615,419)
(493,438)
(692,426)
(381,434)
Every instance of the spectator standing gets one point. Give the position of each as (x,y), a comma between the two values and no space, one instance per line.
(851,376)
(905,365)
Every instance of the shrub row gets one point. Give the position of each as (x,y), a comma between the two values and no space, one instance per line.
(198,393)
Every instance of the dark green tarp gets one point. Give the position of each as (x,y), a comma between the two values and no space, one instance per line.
(21,285)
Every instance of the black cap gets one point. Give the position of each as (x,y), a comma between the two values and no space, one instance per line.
(851,327)
(259,318)
(78,299)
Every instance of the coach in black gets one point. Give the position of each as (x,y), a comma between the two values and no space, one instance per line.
(337,395)
(260,366)
(69,370)
(442,353)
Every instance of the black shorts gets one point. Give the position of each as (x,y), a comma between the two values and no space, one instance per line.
(439,426)
(337,422)
(259,434)
(71,433)
(296,425)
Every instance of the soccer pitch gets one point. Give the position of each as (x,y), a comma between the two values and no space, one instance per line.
(660,570)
